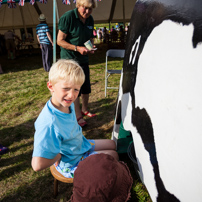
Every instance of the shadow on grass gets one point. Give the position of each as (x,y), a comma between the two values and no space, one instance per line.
(21,63)
(98,127)
(16,165)
(39,190)
(11,135)
(38,186)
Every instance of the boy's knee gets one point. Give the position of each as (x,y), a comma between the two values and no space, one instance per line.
(113,145)
(115,155)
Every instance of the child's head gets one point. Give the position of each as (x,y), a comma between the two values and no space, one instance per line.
(101,178)
(67,70)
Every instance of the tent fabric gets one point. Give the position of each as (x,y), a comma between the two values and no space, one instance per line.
(107,11)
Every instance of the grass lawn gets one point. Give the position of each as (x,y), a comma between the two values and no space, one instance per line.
(23,93)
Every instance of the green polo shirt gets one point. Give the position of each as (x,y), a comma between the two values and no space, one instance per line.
(77,34)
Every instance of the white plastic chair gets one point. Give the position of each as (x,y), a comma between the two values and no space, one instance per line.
(114,53)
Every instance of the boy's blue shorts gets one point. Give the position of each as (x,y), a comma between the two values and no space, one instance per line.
(69,172)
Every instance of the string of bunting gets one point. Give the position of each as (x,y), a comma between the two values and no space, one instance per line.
(12,3)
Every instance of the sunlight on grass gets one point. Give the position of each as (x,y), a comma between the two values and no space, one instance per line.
(142,195)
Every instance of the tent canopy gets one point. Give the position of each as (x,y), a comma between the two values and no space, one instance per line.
(106,12)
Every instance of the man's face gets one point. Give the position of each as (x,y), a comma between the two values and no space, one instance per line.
(85,12)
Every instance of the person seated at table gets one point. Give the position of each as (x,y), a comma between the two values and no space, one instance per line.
(10,43)
(121,33)
(114,34)
(58,137)
(29,37)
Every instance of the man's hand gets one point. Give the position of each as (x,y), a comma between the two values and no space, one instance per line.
(82,50)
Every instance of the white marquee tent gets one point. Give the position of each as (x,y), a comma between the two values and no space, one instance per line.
(27,15)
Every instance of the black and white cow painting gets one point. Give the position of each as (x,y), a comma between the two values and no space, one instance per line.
(160,97)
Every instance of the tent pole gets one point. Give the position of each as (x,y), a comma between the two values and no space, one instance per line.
(57,13)
(112,10)
(54,31)
(124,21)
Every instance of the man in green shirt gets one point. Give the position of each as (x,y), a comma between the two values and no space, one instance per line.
(75,28)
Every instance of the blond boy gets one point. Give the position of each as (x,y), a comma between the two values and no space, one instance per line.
(58,137)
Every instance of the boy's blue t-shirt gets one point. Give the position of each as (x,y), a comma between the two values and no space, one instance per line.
(58,132)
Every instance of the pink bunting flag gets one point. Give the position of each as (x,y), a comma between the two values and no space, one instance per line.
(21,2)
(68,1)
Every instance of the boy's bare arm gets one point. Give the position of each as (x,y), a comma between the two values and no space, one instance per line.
(40,163)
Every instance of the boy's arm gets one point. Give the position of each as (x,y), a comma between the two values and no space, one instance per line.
(40,163)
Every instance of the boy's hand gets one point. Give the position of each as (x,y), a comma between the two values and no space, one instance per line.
(57,163)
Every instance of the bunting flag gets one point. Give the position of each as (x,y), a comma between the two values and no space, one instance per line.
(43,1)
(66,2)
(11,3)
(21,2)
(32,2)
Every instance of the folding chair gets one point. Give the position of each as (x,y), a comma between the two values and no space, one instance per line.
(114,53)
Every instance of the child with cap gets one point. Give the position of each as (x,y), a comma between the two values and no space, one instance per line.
(101,178)
(58,137)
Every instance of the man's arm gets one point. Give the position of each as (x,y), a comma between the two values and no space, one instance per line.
(40,163)
(49,37)
(38,40)
(61,42)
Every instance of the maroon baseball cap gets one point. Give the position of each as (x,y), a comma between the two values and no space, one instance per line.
(101,178)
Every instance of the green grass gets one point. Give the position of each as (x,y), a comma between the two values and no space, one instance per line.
(23,93)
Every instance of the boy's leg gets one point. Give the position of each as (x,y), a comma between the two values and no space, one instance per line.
(106,146)
(111,153)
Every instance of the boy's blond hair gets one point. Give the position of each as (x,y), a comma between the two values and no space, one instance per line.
(68,70)
(86,3)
